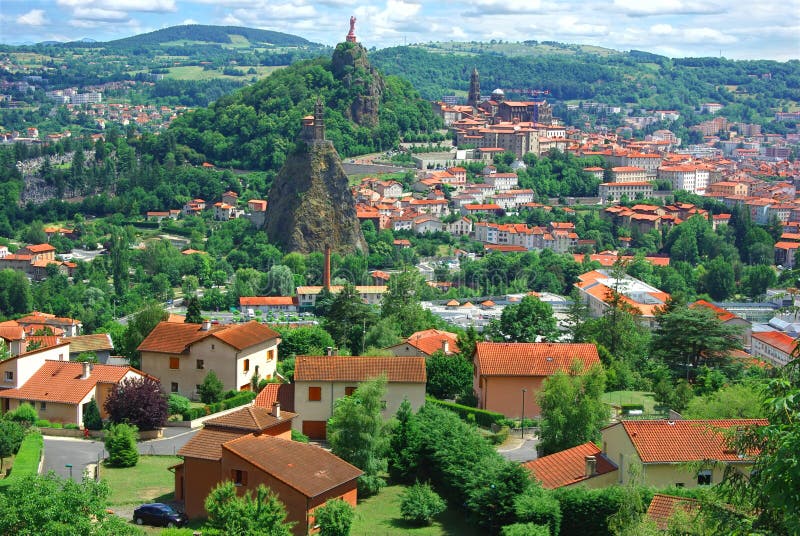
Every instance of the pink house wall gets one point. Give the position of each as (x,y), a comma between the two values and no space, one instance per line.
(503,394)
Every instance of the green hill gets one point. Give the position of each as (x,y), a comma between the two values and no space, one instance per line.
(209,34)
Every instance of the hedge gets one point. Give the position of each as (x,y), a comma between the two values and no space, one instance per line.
(26,462)
(241,398)
(480,416)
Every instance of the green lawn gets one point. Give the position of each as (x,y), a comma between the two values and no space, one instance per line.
(149,481)
(380,515)
(618,398)
(196,72)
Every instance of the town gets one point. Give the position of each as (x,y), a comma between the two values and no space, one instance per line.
(357,311)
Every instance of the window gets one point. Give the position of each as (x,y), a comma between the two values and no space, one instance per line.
(212,346)
(42,406)
(174,363)
(270,355)
(200,364)
(704,478)
(314,394)
(349,390)
(246,365)
(239,477)
(9,376)
(174,387)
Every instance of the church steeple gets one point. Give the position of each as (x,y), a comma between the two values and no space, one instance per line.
(474,97)
(314,125)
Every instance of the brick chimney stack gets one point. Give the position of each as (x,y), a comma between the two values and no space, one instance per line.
(326,269)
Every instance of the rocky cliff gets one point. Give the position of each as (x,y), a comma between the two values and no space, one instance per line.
(351,66)
(310,203)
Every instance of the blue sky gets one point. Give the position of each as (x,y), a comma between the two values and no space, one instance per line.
(677,28)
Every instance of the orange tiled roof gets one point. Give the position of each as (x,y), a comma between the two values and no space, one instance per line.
(361,368)
(175,338)
(267,396)
(777,339)
(60,381)
(532,358)
(661,441)
(207,443)
(430,340)
(723,314)
(662,508)
(249,419)
(267,300)
(89,343)
(307,468)
(568,466)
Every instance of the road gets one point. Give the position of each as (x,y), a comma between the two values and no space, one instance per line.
(517,449)
(59,452)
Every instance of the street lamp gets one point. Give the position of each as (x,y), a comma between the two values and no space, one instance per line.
(69,466)
(522,417)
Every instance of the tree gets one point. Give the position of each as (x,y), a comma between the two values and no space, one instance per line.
(304,340)
(49,505)
(719,280)
(401,301)
(138,401)
(334,518)
(279,281)
(419,504)
(572,412)
(140,327)
(348,318)
(15,293)
(211,389)
(685,336)
(248,515)
(357,433)
(91,416)
(193,313)
(448,376)
(527,321)
(402,462)
(120,442)
(737,401)
(11,434)
(25,414)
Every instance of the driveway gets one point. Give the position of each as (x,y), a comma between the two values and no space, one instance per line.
(59,452)
(518,449)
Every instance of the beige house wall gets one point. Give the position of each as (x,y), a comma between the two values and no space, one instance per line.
(406,350)
(224,360)
(22,368)
(53,411)
(597,482)
(322,410)
(503,394)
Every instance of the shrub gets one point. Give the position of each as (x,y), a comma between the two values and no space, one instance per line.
(194,413)
(586,511)
(300,437)
(25,414)
(499,437)
(522,529)
(138,401)
(480,416)
(178,404)
(230,394)
(43,423)
(177,532)
(540,508)
(334,518)
(56,425)
(91,416)
(27,459)
(120,441)
(11,436)
(210,390)
(70,426)
(420,504)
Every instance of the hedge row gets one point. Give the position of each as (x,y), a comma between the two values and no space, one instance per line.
(242,398)
(26,462)
(479,416)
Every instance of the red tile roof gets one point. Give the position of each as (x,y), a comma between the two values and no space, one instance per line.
(89,343)
(723,314)
(568,466)
(60,381)
(343,368)
(242,336)
(175,338)
(207,443)
(661,441)
(663,507)
(267,396)
(777,339)
(249,419)
(431,340)
(307,468)
(532,358)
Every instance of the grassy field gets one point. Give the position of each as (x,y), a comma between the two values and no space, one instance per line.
(617,398)
(195,72)
(380,515)
(149,481)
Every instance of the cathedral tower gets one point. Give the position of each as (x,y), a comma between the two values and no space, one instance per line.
(474,97)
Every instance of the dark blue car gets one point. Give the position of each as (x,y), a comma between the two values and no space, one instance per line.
(159,514)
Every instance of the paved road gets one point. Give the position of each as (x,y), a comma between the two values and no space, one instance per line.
(62,451)
(516,449)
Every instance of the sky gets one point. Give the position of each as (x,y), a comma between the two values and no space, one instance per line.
(734,29)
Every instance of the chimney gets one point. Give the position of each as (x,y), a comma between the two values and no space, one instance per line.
(591,465)
(329,350)
(326,269)
(276,409)
(445,346)
(206,325)
(87,370)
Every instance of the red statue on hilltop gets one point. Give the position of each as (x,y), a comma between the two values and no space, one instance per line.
(351,35)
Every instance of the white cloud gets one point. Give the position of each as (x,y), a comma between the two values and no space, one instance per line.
(99,14)
(147,6)
(646,8)
(34,17)
(570,25)
(189,21)
(505,7)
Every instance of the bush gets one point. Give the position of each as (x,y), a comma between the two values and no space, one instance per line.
(195,413)
(586,511)
(43,423)
(27,459)
(25,414)
(120,441)
(481,416)
(300,437)
(177,532)
(56,425)
(241,398)
(210,390)
(11,436)
(177,404)
(91,416)
(420,504)
(522,529)
(230,394)
(139,402)
(334,518)
(499,437)
(541,508)
(70,426)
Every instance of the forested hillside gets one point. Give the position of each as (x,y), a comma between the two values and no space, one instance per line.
(255,128)
(210,34)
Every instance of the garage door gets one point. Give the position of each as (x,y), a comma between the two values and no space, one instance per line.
(315,429)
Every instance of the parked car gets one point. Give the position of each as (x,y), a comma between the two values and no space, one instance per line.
(159,514)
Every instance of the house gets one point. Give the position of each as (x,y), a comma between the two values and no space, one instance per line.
(504,372)
(268,304)
(598,286)
(59,390)
(774,347)
(99,344)
(321,380)
(181,355)
(253,446)
(18,369)
(370,294)
(663,507)
(585,465)
(283,393)
(669,452)
(58,325)
(425,343)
